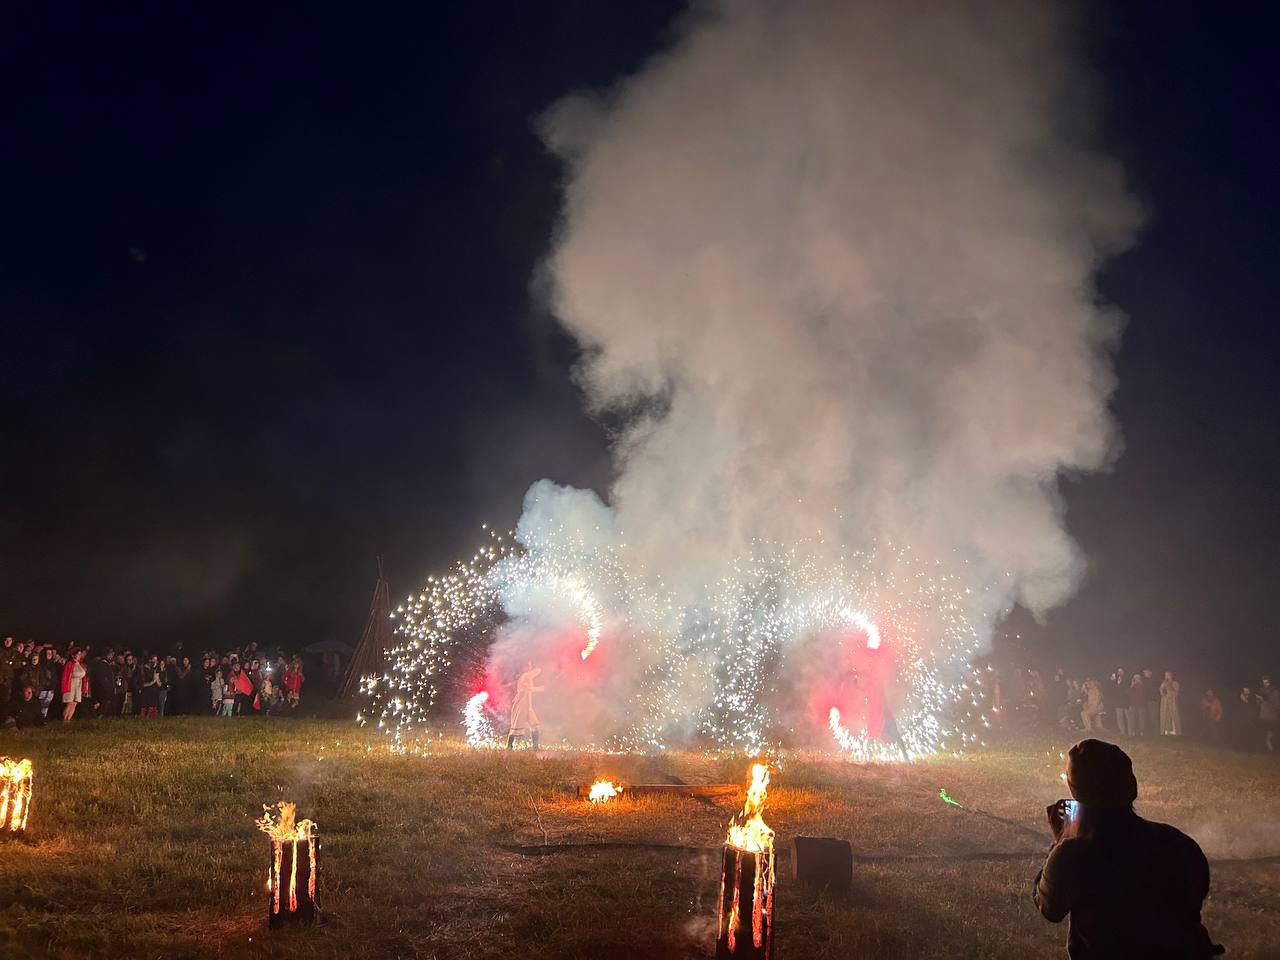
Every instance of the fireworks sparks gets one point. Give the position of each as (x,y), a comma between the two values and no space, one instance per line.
(480,731)
(887,625)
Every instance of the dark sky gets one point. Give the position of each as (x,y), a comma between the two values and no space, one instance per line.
(267,314)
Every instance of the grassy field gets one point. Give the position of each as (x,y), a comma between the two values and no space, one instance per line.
(142,844)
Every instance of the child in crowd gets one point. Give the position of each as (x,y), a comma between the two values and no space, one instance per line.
(228,698)
(216,688)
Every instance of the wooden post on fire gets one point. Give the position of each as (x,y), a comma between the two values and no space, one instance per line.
(15,796)
(744,928)
(744,920)
(291,871)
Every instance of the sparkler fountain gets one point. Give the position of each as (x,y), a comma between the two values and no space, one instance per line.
(779,612)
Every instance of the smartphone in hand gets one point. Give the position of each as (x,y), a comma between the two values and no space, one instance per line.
(1071,824)
(1064,818)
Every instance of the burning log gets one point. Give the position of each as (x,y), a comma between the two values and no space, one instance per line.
(669,789)
(602,791)
(822,862)
(291,875)
(744,925)
(15,795)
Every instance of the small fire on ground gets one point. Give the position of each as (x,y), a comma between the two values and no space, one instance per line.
(602,791)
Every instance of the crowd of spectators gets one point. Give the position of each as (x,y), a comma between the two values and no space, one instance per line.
(1144,704)
(40,683)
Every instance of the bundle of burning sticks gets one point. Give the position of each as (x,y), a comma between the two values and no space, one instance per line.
(15,795)
(747,877)
(291,877)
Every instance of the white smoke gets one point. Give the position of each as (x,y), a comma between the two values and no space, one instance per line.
(832,263)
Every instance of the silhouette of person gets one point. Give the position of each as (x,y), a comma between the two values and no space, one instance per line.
(1133,888)
(524,722)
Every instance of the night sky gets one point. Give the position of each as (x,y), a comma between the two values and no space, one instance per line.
(268,313)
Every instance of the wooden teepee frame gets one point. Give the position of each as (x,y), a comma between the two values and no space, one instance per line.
(371,651)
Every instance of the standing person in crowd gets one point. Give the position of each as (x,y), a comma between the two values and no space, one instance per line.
(216,687)
(244,693)
(1211,715)
(1091,715)
(1152,686)
(121,671)
(102,683)
(209,674)
(229,691)
(151,683)
(1170,716)
(1057,693)
(1074,702)
(8,670)
(266,693)
(1268,713)
(293,678)
(50,674)
(75,683)
(179,679)
(1136,710)
(125,679)
(194,689)
(168,680)
(1119,698)
(1243,720)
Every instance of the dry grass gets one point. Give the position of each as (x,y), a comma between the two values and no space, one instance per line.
(142,844)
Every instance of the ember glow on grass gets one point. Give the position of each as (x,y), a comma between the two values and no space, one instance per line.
(15,794)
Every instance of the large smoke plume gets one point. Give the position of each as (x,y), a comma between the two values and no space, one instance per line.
(830,265)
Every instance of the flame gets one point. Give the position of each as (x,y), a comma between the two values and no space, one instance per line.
(602,791)
(751,835)
(282,828)
(748,830)
(15,794)
(285,826)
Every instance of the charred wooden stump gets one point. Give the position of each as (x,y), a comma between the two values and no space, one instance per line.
(744,928)
(291,884)
(822,862)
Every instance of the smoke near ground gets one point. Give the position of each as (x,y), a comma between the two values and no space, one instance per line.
(830,266)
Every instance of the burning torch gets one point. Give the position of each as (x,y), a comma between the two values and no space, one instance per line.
(291,876)
(744,928)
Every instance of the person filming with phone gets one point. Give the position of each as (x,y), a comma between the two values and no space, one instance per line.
(1132,887)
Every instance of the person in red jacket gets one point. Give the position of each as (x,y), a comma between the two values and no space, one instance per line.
(244,693)
(75,683)
(293,678)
